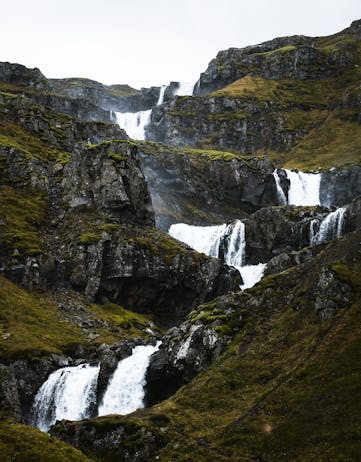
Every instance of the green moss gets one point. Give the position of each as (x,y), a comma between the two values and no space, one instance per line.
(89,238)
(117,157)
(334,143)
(22,211)
(13,135)
(34,324)
(21,443)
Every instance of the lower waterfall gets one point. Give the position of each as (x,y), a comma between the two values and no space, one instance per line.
(125,391)
(69,393)
(229,240)
(134,123)
(330,227)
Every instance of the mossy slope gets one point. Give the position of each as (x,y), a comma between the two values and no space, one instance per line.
(287,388)
(38,328)
(21,443)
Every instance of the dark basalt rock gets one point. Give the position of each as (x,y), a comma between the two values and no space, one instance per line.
(107,176)
(196,189)
(340,187)
(185,351)
(16,74)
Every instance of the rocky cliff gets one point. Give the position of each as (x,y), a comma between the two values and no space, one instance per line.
(284,98)
(87,273)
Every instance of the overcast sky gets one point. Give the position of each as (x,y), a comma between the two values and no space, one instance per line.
(151,42)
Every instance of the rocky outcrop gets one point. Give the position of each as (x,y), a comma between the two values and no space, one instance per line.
(340,187)
(295,57)
(107,176)
(147,271)
(194,345)
(119,98)
(16,74)
(204,187)
(275,230)
(185,351)
(115,439)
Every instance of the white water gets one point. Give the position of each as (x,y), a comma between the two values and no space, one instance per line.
(68,394)
(330,227)
(203,239)
(185,89)
(282,199)
(209,239)
(251,274)
(304,188)
(161,95)
(125,392)
(134,123)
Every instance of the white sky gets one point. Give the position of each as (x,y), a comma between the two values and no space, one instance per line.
(151,42)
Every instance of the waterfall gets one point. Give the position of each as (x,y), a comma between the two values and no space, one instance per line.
(211,239)
(304,188)
(203,239)
(68,393)
(251,274)
(282,199)
(184,89)
(330,228)
(161,95)
(125,391)
(134,123)
(235,254)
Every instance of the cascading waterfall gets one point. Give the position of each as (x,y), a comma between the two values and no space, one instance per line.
(282,199)
(134,123)
(210,240)
(184,89)
(161,95)
(69,393)
(331,227)
(304,188)
(203,239)
(125,391)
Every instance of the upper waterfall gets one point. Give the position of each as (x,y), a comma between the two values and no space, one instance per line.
(185,89)
(68,393)
(134,123)
(125,391)
(161,95)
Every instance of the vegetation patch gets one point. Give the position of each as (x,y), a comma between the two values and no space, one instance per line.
(22,443)
(22,211)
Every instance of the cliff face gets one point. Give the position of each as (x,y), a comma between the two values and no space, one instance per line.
(284,98)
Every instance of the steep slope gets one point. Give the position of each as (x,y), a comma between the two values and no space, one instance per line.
(285,98)
(286,388)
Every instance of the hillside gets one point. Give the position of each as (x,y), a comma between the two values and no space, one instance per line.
(190,296)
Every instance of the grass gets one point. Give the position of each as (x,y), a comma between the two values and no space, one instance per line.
(22,212)
(35,325)
(38,328)
(334,143)
(208,155)
(15,136)
(21,443)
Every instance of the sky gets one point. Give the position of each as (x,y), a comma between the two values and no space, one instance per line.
(152,42)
